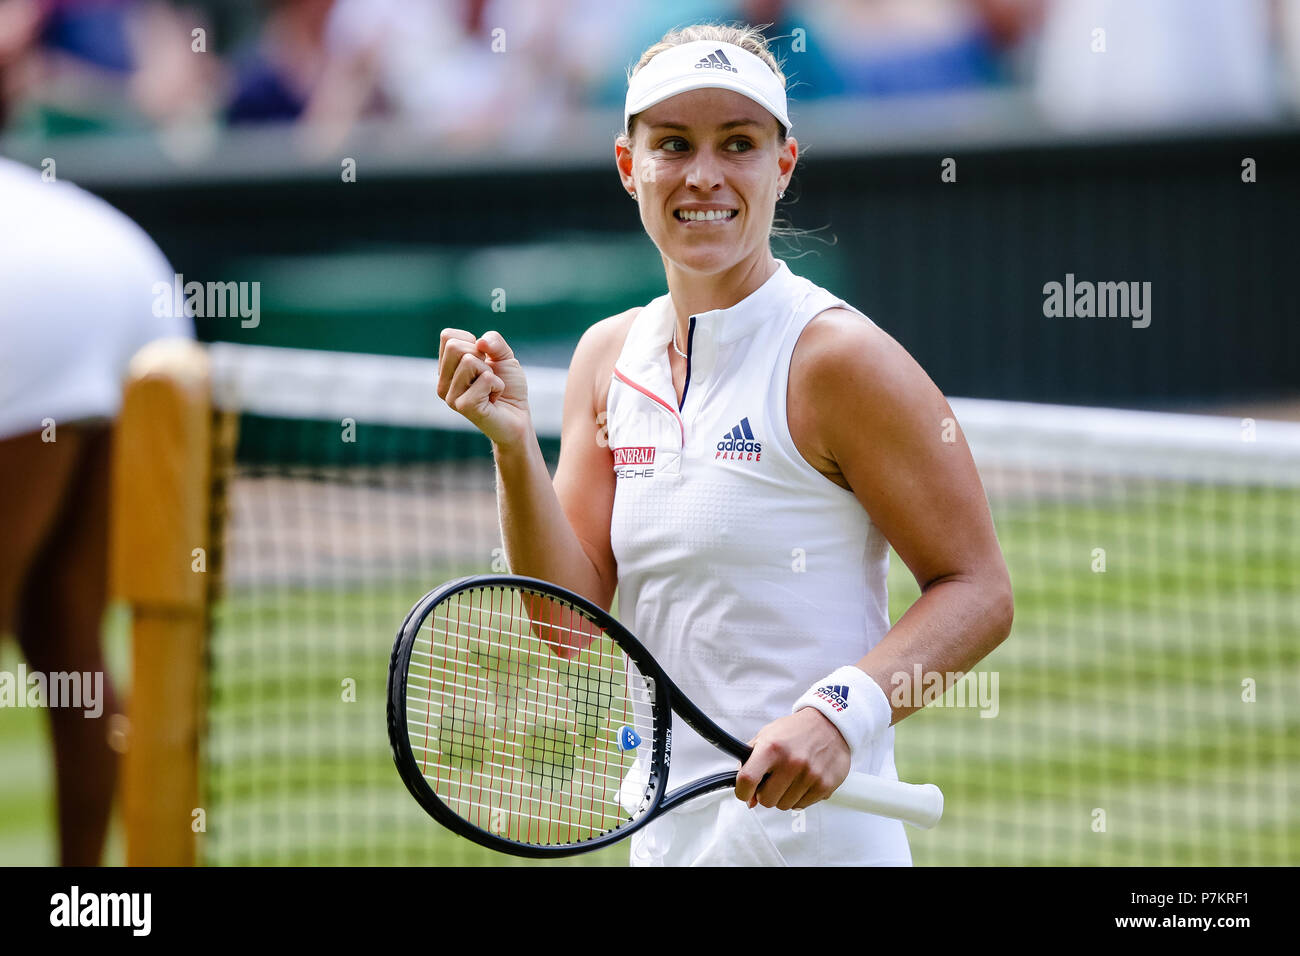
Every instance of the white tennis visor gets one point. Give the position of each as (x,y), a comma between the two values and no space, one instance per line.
(705,64)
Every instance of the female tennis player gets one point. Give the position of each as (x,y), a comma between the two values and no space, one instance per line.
(736,458)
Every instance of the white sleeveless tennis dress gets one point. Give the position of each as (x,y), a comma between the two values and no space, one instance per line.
(747,573)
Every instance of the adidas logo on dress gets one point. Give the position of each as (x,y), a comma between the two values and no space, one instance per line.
(739,444)
(717,60)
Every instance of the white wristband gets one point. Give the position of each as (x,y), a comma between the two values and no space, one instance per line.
(852,701)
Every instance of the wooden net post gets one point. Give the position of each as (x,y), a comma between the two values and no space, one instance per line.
(160,542)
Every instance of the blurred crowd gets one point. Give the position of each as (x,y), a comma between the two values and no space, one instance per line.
(478,71)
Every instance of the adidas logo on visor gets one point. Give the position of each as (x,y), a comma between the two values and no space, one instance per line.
(717,60)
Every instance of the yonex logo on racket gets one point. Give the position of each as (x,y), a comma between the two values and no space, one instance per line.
(837,695)
(717,60)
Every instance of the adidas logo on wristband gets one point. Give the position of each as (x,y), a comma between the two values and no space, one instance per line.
(837,695)
(868,718)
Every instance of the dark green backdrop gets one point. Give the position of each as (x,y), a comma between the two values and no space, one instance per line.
(954,270)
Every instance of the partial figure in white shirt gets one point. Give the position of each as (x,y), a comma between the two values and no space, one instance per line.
(77,301)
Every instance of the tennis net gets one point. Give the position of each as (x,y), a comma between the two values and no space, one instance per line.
(1142,711)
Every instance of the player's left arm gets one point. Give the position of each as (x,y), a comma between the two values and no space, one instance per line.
(865,414)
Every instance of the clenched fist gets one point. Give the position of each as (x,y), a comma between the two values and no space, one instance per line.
(481,379)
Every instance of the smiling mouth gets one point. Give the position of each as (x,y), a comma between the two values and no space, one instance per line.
(705,215)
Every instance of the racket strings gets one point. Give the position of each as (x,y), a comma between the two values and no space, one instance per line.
(526,718)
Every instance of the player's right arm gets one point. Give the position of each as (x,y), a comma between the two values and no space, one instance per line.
(554,530)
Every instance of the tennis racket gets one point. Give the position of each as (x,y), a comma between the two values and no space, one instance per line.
(524,717)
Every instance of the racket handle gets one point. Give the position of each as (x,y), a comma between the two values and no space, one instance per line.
(920,804)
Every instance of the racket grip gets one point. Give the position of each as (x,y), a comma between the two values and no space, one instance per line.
(920,804)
